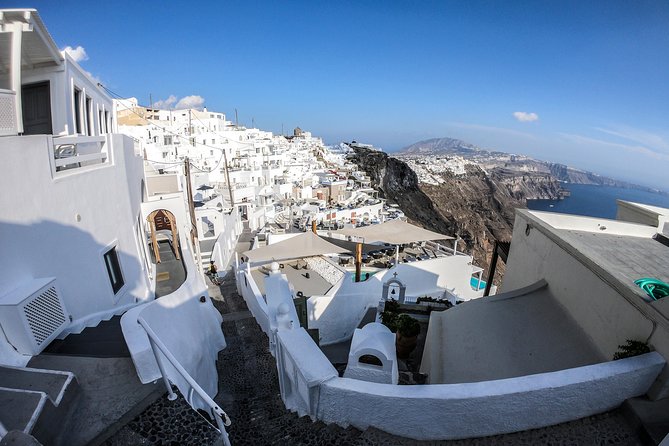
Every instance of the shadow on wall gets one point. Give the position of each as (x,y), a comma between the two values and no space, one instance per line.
(75,259)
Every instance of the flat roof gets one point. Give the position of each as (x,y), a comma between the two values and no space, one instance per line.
(315,285)
(627,258)
(616,251)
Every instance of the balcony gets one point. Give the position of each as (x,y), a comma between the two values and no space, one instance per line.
(74,152)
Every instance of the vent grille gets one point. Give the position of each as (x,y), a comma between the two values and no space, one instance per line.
(44,314)
(7,115)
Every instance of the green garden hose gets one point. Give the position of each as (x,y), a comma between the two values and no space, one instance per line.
(655,288)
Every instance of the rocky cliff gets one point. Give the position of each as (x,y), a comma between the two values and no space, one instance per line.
(476,206)
(523,186)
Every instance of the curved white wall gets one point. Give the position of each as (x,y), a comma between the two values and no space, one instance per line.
(60,226)
(189,328)
(452,411)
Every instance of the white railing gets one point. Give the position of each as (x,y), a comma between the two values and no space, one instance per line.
(437,247)
(72,152)
(156,344)
(8,124)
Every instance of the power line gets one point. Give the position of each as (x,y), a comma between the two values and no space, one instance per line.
(193,141)
(166,130)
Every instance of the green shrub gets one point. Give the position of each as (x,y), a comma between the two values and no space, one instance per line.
(407,326)
(631,348)
(389,319)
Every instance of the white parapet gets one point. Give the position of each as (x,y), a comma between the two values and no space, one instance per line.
(454,411)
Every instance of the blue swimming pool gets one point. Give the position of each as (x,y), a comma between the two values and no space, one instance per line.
(476,284)
(364,275)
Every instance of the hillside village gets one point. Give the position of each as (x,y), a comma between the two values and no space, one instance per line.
(172,277)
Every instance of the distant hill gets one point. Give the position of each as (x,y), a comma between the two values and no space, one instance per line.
(510,162)
(436,146)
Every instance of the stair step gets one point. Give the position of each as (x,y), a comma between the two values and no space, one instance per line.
(51,382)
(37,401)
(20,409)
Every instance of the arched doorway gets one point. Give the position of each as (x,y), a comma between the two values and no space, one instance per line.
(163,220)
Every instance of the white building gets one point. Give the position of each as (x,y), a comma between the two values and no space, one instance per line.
(76,228)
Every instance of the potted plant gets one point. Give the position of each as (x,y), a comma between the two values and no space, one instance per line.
(406,339)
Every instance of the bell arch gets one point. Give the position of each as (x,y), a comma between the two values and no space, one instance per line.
(394,281)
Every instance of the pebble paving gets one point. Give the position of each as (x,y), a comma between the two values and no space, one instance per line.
(249,393)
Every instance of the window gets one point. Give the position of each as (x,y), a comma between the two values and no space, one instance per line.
(114,270)
(108,128)
(89,116)
(167,140)
(77,110)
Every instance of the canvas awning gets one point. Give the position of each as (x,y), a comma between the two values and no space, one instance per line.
(307,244)
(396,232)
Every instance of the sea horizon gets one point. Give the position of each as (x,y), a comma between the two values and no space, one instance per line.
(593,200)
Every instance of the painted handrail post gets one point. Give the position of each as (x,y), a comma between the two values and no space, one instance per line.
(170,393)
(217,413)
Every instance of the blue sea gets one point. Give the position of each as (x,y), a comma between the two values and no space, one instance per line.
(597,201)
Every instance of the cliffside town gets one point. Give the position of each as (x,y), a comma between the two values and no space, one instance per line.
(476,206)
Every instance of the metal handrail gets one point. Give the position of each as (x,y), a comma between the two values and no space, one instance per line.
(218,413)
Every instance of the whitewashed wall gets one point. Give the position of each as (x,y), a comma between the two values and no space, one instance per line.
(452,411)
(189,328)
(228,230)
(595,302)
(62,81)
(60,226)
(605,316)
(253,298)
(338,313)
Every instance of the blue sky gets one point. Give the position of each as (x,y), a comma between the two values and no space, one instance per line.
(586,80)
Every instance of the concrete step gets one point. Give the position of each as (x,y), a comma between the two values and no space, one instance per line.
(649,418)
(37,402)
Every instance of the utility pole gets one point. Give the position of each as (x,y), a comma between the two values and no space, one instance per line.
(190,129)
(151,100)
(227,180)
(191,209)
(236,119)
(253,122)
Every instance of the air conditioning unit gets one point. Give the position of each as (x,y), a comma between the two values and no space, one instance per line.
(32,315)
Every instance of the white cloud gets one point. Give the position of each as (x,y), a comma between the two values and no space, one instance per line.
(655,142)
(78,53)
(584,140)
(525,116)
(165,103)
(193,101)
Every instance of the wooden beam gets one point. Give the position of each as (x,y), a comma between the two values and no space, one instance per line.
(154,242)
(358,261)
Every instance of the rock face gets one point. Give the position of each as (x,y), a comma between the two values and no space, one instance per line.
(476,206)
(523,186)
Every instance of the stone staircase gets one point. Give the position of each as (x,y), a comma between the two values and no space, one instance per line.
(37,402)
